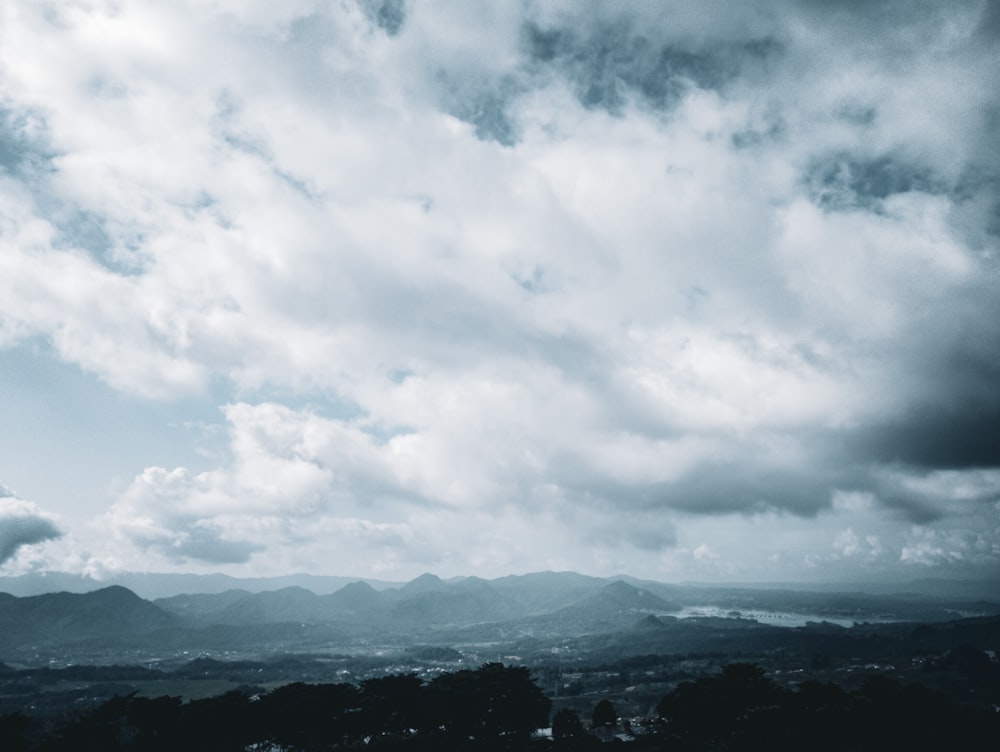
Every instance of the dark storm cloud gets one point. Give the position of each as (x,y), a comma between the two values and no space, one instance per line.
(937,437)
(21,524)
(388,15)
(609,60)
(726,488)
(737,479)
(732,486)
(955,422)
(916,506)
(989,24)
(22,528)
(844,181)
(615,61)
(886,462)
(950,356)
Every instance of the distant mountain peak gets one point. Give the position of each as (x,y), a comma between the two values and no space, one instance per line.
(355,596)
(357,587)
(117,593)
(294,590)
(622,587)
(425,583)
(621,591)
(67,618)
(627,597)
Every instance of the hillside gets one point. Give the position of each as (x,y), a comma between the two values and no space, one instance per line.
(101,616)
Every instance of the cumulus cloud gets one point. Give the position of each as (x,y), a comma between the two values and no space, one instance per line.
(314,489)
(22,523)
(456,273)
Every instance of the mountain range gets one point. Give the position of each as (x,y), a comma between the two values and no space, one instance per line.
(521,610)
(115,616)
(152,585)
(426,602)
(165,584)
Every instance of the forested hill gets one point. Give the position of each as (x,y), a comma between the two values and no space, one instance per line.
(101,617)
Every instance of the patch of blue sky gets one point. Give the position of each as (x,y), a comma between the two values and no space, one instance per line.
(66,433)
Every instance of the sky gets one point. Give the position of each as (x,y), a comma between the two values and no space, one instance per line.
(684,290)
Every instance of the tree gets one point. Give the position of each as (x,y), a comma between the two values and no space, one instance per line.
(309,716)
(495,702)
(740,702)
(101,728)
(224,723)
(14,731)
(566,725)
(154,722)
(604,714)
(392,705)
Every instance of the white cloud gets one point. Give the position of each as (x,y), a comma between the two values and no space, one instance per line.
(303,491)
(704,551)
(527,284)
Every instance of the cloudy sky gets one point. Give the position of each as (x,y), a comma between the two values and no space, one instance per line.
(691,290)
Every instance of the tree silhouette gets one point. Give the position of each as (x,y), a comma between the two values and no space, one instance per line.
(153,723)
(394,705)
(567,726)
(14,729)
(309,716)
(604,714)
(495,702)
(740,702)
(495,708)
(102,728)
(226,723)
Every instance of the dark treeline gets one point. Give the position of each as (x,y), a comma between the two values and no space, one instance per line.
(741,709)
(500,707)
(493,707)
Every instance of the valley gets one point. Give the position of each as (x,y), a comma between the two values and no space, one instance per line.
(583,638)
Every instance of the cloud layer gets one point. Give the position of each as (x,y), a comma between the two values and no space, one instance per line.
(649,287)
(22,524)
